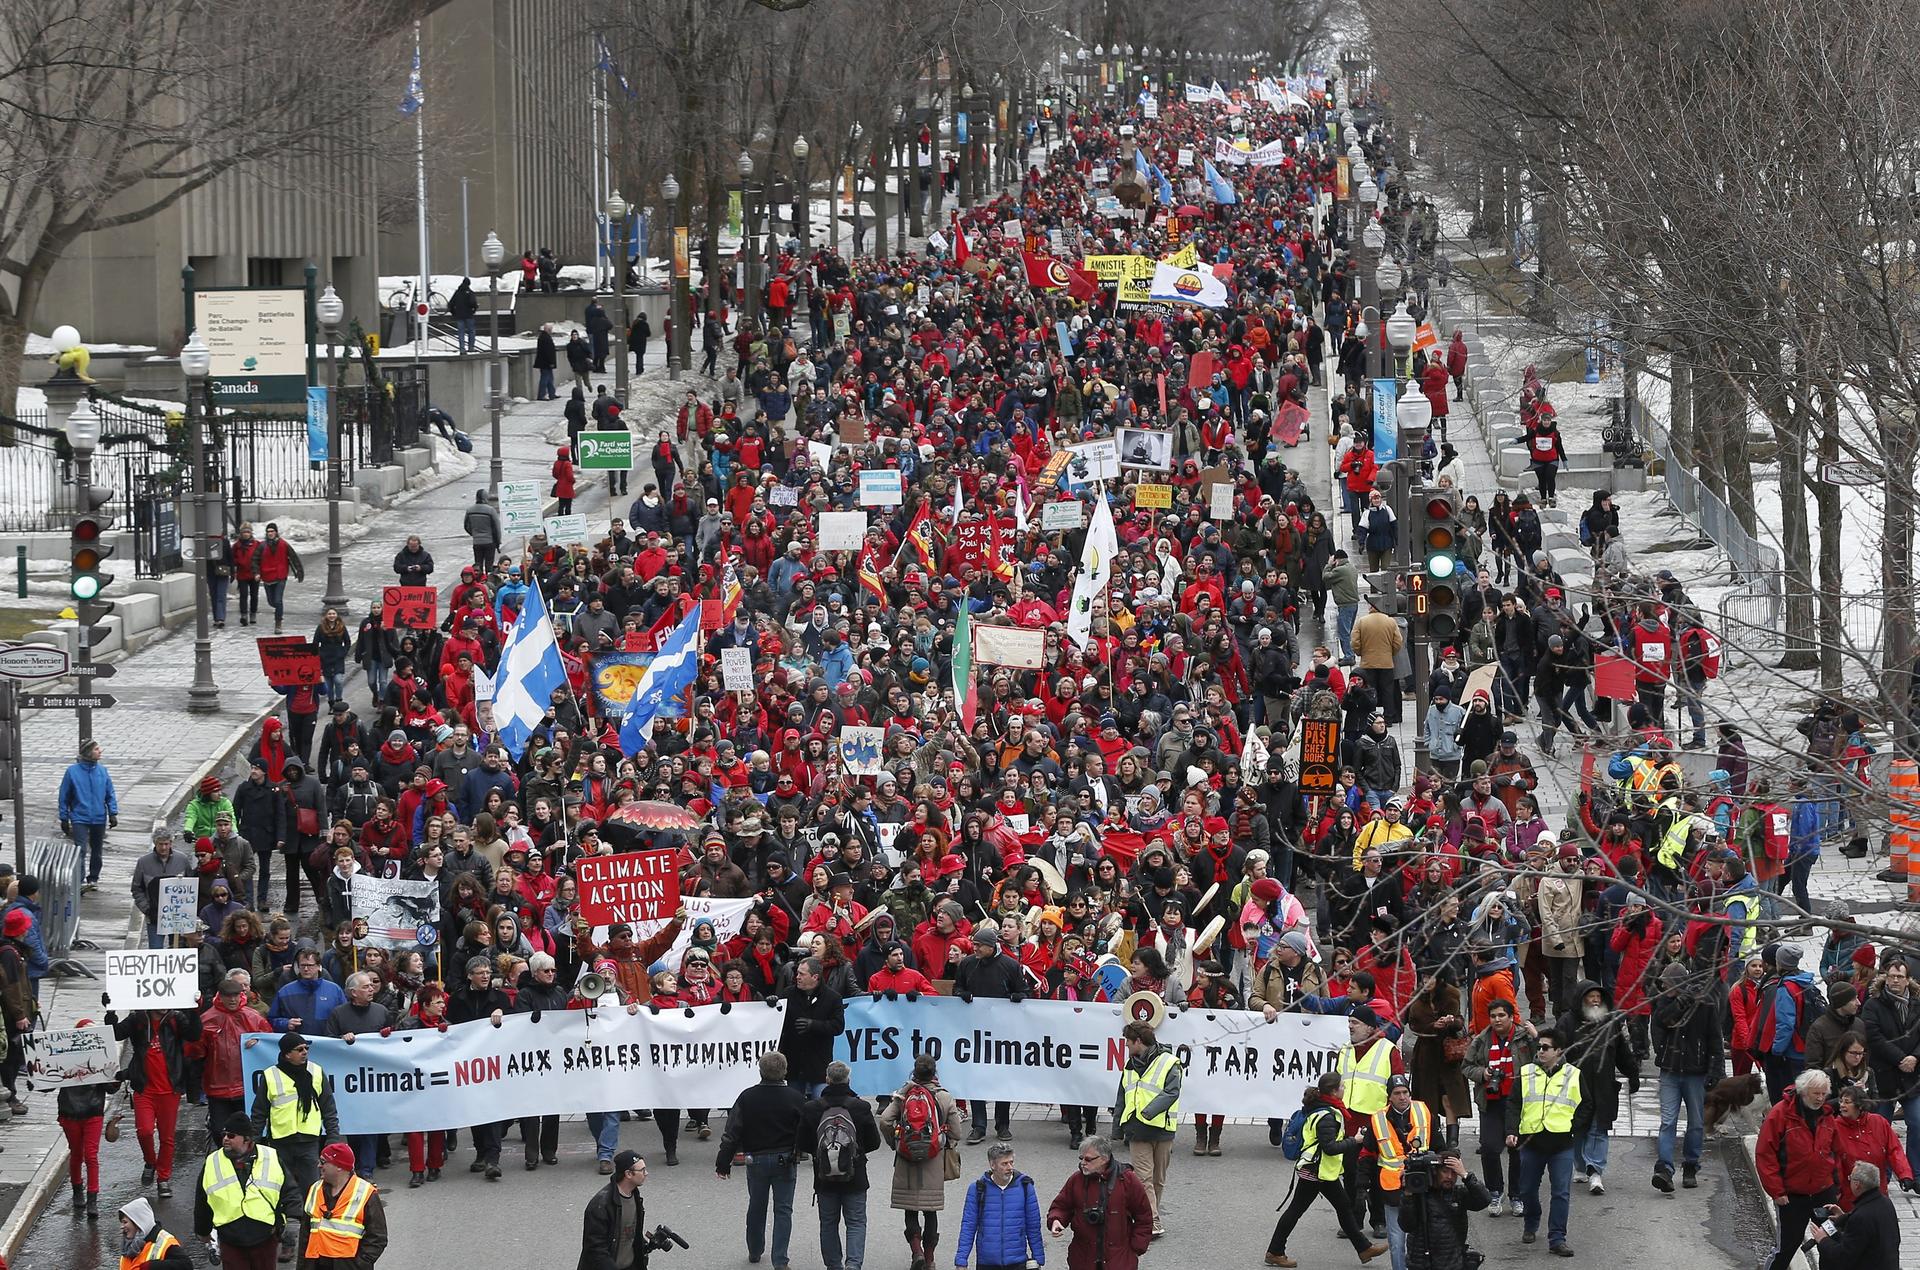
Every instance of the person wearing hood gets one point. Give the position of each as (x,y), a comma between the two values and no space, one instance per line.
(1595,1039)
(306,824)
(882,938)
(144,1242)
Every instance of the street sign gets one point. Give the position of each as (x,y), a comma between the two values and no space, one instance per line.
(606,451)
(105,670)
(65,701)
(32,661)
(1844,472)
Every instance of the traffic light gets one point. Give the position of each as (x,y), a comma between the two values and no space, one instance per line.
(89,550)
(1439,566)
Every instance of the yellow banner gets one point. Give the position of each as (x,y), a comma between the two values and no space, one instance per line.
(1188,257)
(1340,179)
(1153,496)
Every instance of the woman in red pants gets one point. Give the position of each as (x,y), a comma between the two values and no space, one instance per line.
(157,1074)
(426,1152)
(82,1115)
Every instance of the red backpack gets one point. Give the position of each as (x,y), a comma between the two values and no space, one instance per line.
(920,1133)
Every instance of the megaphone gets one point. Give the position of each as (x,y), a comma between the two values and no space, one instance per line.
(592,986)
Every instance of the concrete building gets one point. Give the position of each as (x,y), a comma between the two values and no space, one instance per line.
(508,86)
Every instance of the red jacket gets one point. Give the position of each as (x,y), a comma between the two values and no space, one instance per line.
(908,980)
(930,950)
(1396,982)
(220,1033)
(563,475)
(275,560)
(1636,952)
(1125,1234)
(1870,1138)
(1794,1159)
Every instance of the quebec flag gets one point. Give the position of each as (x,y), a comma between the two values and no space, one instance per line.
(670,673)
(530,672)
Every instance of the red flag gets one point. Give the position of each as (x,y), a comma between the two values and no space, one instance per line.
(1082,285)
(960,252)
(1044,273)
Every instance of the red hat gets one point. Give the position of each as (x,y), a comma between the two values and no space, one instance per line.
(210,785)
(1865,956)
(434,787)
(338,1154)
(16,924)
(1267,890)
(203,844)
(1569,851)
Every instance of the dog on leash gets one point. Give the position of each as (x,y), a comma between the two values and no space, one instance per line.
(1730,1095)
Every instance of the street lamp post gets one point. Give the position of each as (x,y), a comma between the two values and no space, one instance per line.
(1400,333)
(331,310)
(802,195)
(677,315)
(203,697)
(493,253)
(617,210)
(749,294)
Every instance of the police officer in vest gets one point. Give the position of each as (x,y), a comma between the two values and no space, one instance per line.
(1148,1109)
(1400,1129)
(143,1243)
(238,1199)
(293,1109)
(1367,1062)
(343,1225)
(1553,1116)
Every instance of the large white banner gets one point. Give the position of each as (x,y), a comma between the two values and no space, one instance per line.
(570,1062)
(1235,1062)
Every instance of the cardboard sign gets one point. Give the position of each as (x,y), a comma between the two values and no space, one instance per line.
(1613,676)
(1061,515)
(881,487)
(566,531)
(632,887)
(1220,502)
(860,749)
(853,429)
(152,979)
(1319,755)
(842,531)
(70,1056)
(412,608)
(177,911)
(736,669)
(783,496)
(1021,646)
(289,661)
(1158,496)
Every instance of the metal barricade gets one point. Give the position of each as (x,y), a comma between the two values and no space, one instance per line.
(61,866)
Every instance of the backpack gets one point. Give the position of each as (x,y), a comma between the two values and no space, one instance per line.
(919,1135)
(1293,1139)
(1586,532)
(836,1145)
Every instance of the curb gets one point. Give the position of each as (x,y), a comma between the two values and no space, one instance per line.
(52,1173)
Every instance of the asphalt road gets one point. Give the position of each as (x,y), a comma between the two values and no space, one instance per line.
(1219,1211)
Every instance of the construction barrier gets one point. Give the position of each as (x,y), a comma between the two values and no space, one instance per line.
(61,866)
(1903,816)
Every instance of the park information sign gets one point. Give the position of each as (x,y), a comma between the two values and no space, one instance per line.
(258,342)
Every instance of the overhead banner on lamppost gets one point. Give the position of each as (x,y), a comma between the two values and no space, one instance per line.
(257,338)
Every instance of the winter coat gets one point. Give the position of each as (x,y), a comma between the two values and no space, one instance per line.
(177,1029)
(866,1136)
(813,1020)
(1559,900)
(1635,946)
(1434,1078)
(1686,1031)
(1436,1223)
(220,1033)
(1001,1223)
(600,1228)
(482,524)
(1871,1138)
(86,794)
(1870,1240)
(923,1186)
(1793,1157)
(1601,1051)
(412,567)
(1121,1241)
(1892,1026)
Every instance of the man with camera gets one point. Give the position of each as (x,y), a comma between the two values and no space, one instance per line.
(1106,1208)
(614,1235)
(1436,1194)
(1398,1135)
(1867,1238)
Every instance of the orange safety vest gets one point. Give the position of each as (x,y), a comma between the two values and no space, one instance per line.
(336,1232)
(1394,1151)
(157,1248)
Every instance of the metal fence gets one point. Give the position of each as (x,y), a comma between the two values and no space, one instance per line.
(61,866)
(1755,565)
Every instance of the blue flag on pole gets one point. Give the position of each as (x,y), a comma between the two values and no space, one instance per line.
(416,96)
(530,673)
(670,673)
(605,66)
(1221,189)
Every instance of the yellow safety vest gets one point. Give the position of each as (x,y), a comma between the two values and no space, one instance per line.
(1137,1089)
(1742,907)
(1330,1167)
(1673,844)
(1548,1102)
(337,1233)
(283,1104)
(258,1197)
(1394,1152)
(161,1244)
(1363,1086)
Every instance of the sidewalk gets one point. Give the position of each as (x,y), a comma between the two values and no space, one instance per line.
(157,752)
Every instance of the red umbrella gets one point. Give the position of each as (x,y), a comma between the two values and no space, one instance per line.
(654,815)
(1188,209)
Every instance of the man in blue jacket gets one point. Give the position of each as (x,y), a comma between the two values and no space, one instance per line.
(88,807)
(1803,842)
(1000,1217)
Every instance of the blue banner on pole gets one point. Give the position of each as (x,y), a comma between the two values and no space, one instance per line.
(317,407)
(1386,420)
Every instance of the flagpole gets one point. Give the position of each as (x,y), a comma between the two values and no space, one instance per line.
(423,299)
(593,105)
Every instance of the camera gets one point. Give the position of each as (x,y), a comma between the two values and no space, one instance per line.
(1096,1216)
(1418,1173)
(662,1237)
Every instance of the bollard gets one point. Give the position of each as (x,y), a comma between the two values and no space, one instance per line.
(20,570)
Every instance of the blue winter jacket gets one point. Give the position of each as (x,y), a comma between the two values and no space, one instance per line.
(1790,1008)
(311,1003)
(1804,831)
(86,795)
(1004,1224)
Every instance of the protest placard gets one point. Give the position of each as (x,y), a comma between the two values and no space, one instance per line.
(412,608)
(398,912)
(177,906)
(736,669)
(1060,515)
(1159,496)
(860,750)
(633,886)
(152,979)
(566,531)
(881,487)
(842,531)
(64,1057)
(289,661)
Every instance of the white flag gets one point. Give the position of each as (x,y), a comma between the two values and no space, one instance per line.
(1188,286)
(1096,571)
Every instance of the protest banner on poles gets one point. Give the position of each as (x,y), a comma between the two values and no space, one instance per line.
(570,1062)
(70,1056)
(632,886)
(152,979)
(399,913)
(1235,1062)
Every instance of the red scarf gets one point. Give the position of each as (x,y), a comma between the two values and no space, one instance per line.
(1499,1065)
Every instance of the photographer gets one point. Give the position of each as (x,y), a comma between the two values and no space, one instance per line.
(610,1238)
(1397,1136)
(1106,1208)
(1434,1203)
(1866,1239)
